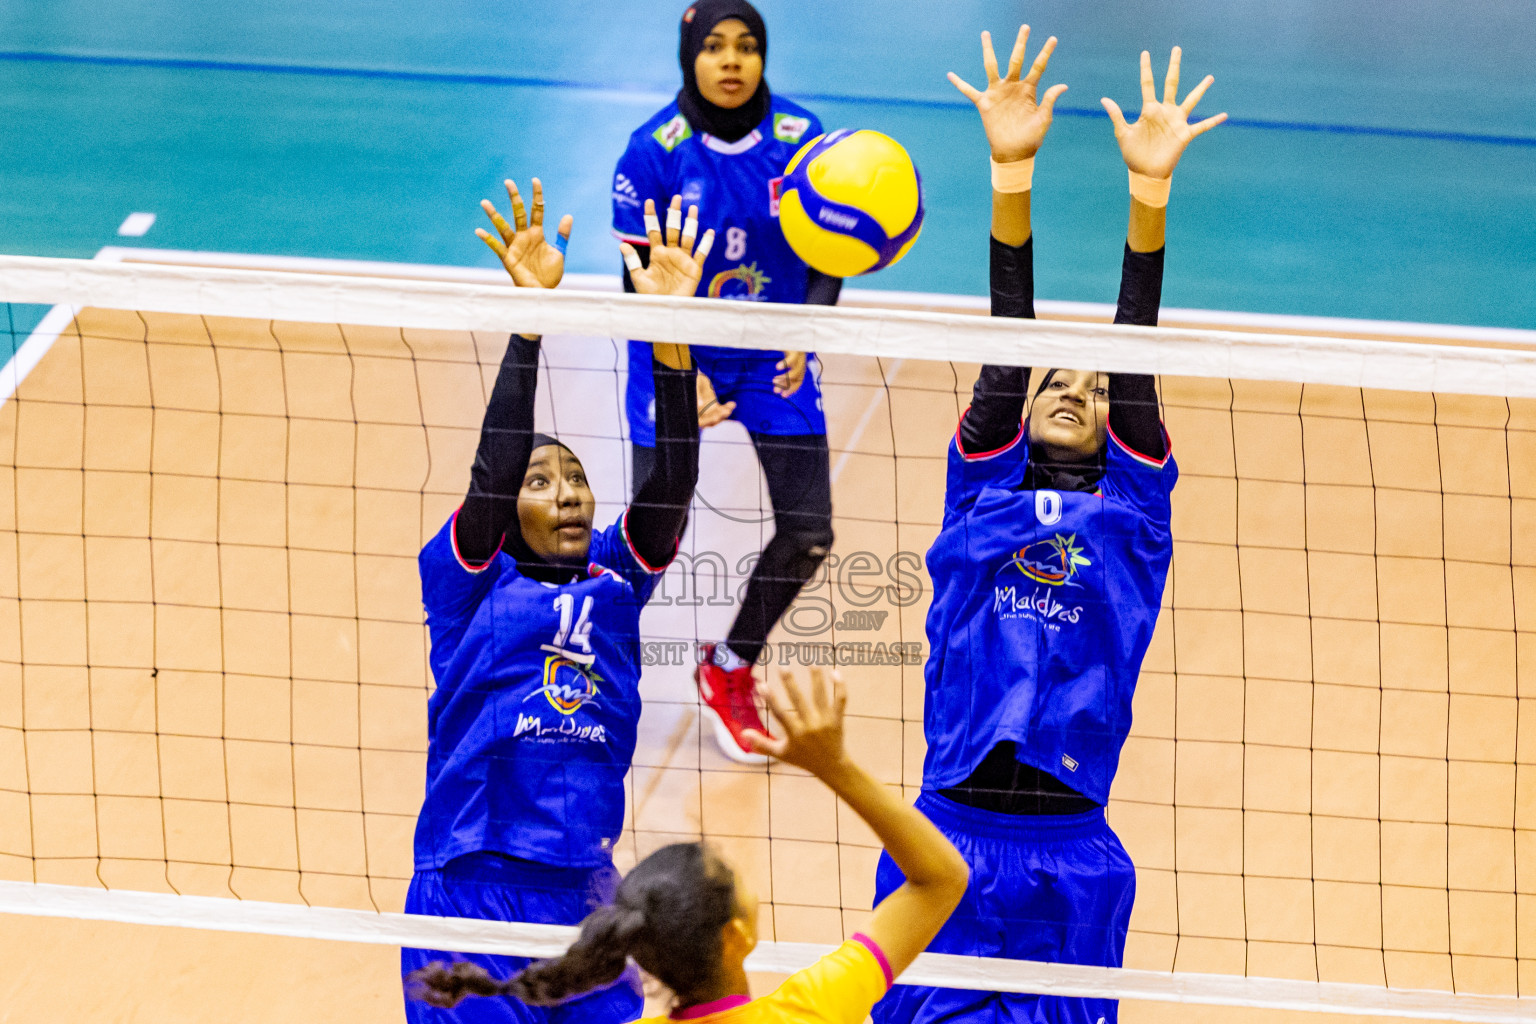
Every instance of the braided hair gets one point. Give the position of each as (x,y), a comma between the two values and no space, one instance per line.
(667,915)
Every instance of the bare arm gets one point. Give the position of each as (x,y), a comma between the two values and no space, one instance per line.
(936,875)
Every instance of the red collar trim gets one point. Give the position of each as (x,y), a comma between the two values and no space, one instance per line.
(714,1006)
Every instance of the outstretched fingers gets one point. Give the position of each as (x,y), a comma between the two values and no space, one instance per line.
(1042,60)
(652,225)
(1201,127)
(674,219)
(498,222)
(967,90)
(497,246)
(1115,115)
(537,219)
(1198,91)
(1148,91)
(519,213)
(1171,83)
(1016,58)
(1048,101)
(708,242)
(989,58)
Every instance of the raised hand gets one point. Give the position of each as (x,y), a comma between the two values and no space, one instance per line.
(521,246)
(676,266)
(812,724)
(1014,121)
(1152,146)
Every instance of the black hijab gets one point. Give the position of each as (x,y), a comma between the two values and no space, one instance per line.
(1043,473)
(529,562)
(698,22)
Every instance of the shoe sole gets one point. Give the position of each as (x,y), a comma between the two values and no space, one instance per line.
(726,742)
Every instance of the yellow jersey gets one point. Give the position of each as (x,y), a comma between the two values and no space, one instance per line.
(840,988)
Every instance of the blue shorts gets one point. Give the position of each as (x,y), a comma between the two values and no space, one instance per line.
(496,888)
(1052,888)
(738,375)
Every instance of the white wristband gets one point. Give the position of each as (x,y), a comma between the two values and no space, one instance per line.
(1014,176)
(1150,191)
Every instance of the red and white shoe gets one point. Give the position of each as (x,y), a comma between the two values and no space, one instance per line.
(730,706)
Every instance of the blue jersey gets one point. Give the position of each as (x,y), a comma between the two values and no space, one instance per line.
(736,188)
(532,726)
(1044,603)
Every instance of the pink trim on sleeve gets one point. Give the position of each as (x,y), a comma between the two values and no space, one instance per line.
(634,552)
(453,539)
(983,456)
(878,953)
(1145,460)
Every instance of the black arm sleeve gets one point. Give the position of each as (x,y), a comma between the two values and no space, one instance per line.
(660,509)
(1133,408)
(997,400)
(506,440)
(821,289)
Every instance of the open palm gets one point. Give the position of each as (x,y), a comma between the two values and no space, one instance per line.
(1015,122)
(1152,146)
(522,246)
(675,266)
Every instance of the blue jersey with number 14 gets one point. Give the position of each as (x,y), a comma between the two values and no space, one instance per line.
(531,729)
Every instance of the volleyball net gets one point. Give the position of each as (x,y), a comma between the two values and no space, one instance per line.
(213,672)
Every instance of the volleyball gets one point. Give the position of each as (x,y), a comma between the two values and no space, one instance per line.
(851,202)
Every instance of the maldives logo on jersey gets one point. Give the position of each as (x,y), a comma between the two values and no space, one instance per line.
(743,282)
(673,132)
(567,686)
(1054,561)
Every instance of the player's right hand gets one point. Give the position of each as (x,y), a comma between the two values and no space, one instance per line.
(811,723)
(711,410)
(676,265)
(1014,122)
(521,246)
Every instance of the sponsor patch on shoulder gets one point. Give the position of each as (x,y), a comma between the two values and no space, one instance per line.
(673,132)
(789,128)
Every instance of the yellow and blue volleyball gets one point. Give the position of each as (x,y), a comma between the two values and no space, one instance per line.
(851,202)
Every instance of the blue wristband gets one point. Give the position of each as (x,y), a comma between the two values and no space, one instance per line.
(560,243)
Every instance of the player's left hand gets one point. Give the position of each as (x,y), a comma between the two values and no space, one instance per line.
(793,375)
(521,246)
(676,265)
(1153,145)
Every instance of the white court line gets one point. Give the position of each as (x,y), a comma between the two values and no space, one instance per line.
(30,352)
(984,974)
(136,225)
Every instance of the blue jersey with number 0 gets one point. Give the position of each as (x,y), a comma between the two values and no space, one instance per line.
(1044,604)
(532,726)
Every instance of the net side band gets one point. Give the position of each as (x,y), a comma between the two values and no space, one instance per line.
(899,334)
(986,974)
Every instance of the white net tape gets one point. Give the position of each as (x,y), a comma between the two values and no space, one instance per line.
(276,295)
(538,940)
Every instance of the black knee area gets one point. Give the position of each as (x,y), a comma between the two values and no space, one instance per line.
(805,545)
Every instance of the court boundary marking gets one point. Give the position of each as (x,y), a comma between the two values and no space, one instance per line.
(539,82)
